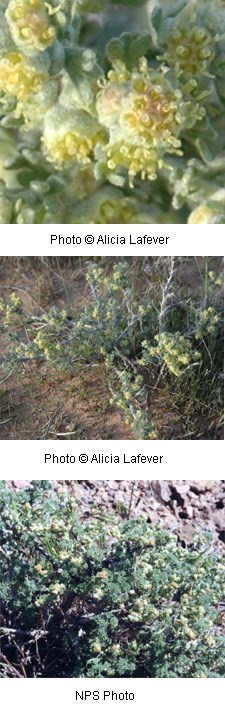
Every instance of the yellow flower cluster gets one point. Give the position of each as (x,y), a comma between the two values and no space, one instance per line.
(211,210)
(190,51)
(206,322)
(144,116)
(44,344)
(95,274)
(30,25)
(56,317)
(173,349)
(14,303)
(70,137)
(202,214)
(216,279)
(19,78)
(10,309)
(70,145)
(40,570)
(57,589)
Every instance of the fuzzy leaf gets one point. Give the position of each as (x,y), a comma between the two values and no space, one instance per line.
(156,17)
(174,10)
(128,48)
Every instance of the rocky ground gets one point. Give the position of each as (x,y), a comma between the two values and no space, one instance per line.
(182,505)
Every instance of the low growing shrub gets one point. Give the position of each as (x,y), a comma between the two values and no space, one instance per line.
(140,339)
(98,597)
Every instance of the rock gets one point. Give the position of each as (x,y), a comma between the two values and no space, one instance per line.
(199,486)
(185,533)
(219,519)
(162,490)
(181,488)
(189,511)
(153,518)
(21,484)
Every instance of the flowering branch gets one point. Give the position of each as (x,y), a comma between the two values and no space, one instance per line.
(106,111)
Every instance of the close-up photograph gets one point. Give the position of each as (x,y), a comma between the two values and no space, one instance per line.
(112,111)
(108,348)
(112,579)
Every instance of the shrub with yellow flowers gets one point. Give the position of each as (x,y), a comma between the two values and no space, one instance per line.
(110,598)
(173,350)
(136,340)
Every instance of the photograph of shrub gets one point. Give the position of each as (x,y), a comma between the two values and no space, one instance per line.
(104,593)
(111,349)
(112,111)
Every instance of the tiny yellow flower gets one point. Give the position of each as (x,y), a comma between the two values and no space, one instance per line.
(102,574)
(40,571)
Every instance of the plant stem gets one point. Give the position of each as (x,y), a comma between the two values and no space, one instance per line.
(206,282)
(166,294)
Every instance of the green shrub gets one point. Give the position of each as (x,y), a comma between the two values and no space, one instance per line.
(99,597)
(140,339)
